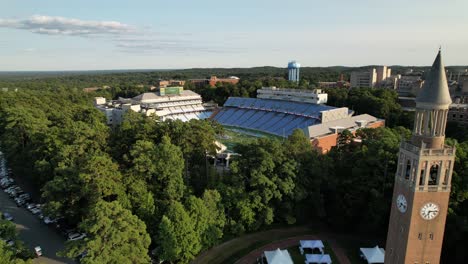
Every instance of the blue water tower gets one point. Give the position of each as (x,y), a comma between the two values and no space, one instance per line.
(293,70)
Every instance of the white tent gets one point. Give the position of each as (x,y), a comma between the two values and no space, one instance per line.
(278,257)
(318,258)
(311,244)
(373,255)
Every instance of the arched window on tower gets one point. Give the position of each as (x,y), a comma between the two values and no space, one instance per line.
(433,174)
(447,173)
(421,177)
(408,169)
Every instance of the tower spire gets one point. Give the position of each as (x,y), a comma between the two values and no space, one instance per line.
(435,93)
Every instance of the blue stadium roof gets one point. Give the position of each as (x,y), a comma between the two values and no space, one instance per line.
(271,116)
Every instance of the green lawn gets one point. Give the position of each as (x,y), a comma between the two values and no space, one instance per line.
(235,136)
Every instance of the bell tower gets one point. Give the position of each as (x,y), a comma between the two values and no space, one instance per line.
(422,181)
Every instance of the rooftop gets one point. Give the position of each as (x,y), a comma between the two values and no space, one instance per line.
(435,90)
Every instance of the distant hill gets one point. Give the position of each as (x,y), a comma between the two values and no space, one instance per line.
(82,79)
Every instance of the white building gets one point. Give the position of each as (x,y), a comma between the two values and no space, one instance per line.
(364,78)
(294,95)
(171,103)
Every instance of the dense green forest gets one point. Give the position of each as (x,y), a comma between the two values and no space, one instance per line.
(126,78)
(153,180)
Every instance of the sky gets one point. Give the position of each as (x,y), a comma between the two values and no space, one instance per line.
(175,34)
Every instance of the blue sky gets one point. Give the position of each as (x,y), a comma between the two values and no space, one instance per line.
(103,34)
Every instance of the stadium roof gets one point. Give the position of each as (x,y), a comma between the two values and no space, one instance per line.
(345,123)
(153,97)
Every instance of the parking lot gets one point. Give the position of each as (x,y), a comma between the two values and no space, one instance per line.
(33,231)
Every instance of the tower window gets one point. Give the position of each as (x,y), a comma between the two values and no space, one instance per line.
(421,177)
(431,236)
(420,236)
(433,174)
(408,169)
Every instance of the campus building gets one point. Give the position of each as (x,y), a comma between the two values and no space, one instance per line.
(373,77)
(168,83)
(169,103)
(213,80)
(363,78)
(458,113)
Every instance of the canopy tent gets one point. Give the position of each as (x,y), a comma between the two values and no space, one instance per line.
(373,255)
(318,258)
(312,244)
(278,257)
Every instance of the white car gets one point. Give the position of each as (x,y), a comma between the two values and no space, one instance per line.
(38,251)
(76,236)
(36,210)
(48,220)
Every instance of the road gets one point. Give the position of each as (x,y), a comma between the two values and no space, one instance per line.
(34,232)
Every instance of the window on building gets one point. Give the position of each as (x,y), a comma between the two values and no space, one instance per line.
(408,169)
(420,236)
(454,115)
(421,177)
(433,174)
(431,236)
(447,174)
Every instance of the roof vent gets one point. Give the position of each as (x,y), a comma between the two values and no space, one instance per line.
(361,123)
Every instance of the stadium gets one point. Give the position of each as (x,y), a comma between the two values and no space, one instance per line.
(278,112)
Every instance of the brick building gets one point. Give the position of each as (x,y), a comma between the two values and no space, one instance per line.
(213,80)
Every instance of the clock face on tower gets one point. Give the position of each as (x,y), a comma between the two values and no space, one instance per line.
(401,203)
(429,211)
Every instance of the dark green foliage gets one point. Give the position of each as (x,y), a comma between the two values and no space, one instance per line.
(382,103)
(262,177)
(114,235)
(154,177)
(178,237)
(16,253)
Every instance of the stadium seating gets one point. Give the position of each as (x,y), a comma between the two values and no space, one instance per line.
(270,116)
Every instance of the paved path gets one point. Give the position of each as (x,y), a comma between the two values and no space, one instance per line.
(34,232)
(284,237)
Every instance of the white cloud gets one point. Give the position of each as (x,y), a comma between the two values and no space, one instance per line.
(125,38)
(66,26)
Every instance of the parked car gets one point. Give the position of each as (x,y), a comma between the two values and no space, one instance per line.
(15,192)
(8,216)
(25,196)
(9,189)
(30,206)
(38,251)
(6,182)
(36,210)
(49,220)
(19,201)
(76,236)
